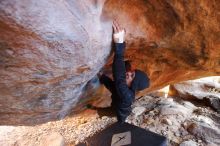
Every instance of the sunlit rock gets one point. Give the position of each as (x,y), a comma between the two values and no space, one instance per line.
(197,89)
(50,50)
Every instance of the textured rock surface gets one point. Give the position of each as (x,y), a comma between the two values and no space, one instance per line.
(53,139)
(206,129)
(188,143)
(204,87)
(50,49)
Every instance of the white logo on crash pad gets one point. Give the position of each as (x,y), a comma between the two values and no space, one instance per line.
(121,139)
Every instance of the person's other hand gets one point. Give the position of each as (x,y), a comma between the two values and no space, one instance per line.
(100,73)
(118,33)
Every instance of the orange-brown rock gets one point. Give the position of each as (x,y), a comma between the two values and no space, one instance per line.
(49,50)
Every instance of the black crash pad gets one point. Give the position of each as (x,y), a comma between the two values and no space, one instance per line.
(138,136)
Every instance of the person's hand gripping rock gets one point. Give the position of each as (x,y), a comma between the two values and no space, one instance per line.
(119,33)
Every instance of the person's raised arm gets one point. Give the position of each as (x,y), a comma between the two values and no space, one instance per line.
(119,71)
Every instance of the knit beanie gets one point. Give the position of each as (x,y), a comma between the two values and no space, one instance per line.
(140,82)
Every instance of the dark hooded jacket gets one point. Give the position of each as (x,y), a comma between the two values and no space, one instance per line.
(122,95)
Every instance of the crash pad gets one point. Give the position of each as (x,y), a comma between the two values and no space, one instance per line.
(125,135)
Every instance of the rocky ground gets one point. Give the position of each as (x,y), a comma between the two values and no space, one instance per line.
(182,122)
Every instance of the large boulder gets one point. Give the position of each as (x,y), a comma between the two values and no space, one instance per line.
(197,89)
(206,129)
(50,50)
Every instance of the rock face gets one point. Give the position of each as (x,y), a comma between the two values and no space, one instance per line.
(206,128)
(204,87)
(205,90)
(50,50)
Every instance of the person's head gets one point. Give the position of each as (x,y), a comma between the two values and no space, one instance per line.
(130,73)
(136,79)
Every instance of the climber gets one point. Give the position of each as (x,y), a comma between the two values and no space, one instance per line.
(126,80)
